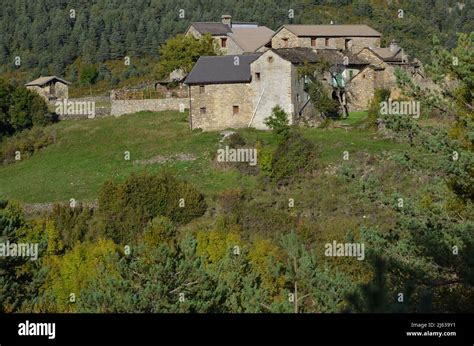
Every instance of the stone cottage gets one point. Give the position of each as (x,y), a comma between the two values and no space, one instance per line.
(50,87)
(233,38)
(241,90)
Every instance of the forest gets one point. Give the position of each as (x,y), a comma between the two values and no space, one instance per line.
(64,37)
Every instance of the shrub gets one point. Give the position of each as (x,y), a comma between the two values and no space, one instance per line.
(72,223)
(26,143)
(160,230)
(293,157)
(126,208)
(278,123)
(20,109)
(374,108)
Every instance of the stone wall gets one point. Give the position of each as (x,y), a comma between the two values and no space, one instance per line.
(356,44)
(361,90)
(275,78)
(278,42)
(58,90)
(120,107)
(213,108)
(232,48)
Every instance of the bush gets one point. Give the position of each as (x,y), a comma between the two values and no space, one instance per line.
(374,108)
(26,143)
(21,109)
(72,223)
(126,208)
(278,123)
(293,157)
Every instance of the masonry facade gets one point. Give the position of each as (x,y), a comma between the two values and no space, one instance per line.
(343,37)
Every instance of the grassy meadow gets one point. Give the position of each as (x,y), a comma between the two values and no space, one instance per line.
(88,152)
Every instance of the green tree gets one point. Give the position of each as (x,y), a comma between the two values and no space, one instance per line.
(89,75)
(278,122)
(182,52)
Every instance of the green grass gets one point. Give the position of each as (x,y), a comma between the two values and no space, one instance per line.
(355,118)
(88,152)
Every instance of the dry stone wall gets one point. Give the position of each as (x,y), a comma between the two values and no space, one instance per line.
(120,107)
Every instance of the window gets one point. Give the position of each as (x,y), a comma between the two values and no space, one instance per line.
(270,59)
(202,110)
(285,42)
(202,89)
(257,75)
(298,97)
(313,41)
(235,110)
(326,41)
(224,42)
(348,43)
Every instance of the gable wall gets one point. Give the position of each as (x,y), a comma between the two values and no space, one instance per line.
(277,39)
(276,79)
(361,90)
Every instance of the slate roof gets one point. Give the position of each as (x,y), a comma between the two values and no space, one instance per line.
(301,55)
(250,39)
(332,30)
(221,70)
(213,28)
(386,54)
(43,80)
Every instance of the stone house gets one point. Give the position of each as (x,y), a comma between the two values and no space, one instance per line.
(380,73)
(241,90)
(50,87)
(233,38)
(349,37)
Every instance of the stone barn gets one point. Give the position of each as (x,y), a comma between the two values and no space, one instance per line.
(50,87)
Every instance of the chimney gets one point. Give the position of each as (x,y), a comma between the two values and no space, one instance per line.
(394,46)
(227,20)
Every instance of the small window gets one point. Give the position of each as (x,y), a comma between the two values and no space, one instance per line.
(326,41)
(270,59)
(348,43)
(224,42)
(202,110)
(313,41)
(298,97)
(257,75)
(285,42)
(202,89)
(235,110)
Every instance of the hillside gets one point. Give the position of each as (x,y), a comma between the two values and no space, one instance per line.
(87,153)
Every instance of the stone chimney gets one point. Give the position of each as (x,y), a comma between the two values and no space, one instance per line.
(394,46)
(227,20)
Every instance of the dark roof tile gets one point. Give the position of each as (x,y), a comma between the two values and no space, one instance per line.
(221,70)
(215,29)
